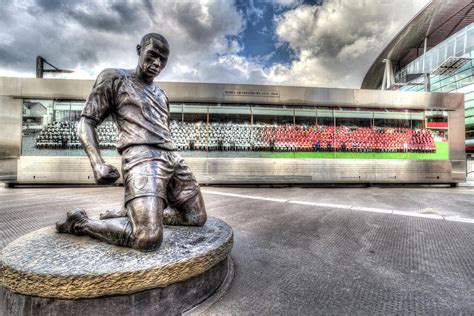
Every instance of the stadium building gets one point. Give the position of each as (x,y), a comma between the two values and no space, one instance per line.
(232,133)
(433,52)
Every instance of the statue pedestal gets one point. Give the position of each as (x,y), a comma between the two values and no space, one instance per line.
(49,273)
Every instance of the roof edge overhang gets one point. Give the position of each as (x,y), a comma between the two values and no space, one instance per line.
(423,24)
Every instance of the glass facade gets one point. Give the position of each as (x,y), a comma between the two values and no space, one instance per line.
(254,131)
(460,44)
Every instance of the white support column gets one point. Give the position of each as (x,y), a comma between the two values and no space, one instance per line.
(388,78)
(426,75)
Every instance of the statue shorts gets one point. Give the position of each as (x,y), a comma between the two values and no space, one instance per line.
(150,171)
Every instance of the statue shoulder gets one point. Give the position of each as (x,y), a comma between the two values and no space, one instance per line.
(163,92)
(161,89)
(112,74)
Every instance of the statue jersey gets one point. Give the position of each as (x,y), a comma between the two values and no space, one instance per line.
(141,111)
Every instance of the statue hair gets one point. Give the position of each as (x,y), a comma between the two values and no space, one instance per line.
(147,38)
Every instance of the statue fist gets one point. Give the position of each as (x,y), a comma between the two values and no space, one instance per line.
(105,173)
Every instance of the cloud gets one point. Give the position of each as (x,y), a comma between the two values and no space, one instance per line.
(358,48)
(337,42)
(253,12)
(331,45)
(199,32)
(68,34)
(88,36)
(113,16)
(289,3)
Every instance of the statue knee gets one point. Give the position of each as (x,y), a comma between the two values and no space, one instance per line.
(148,239)
(200,218)
(195,211)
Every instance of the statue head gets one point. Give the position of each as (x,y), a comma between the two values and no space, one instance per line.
(153,52)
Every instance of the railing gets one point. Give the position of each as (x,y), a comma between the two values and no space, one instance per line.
(456,46)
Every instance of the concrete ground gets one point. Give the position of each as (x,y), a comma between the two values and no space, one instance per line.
(307,251)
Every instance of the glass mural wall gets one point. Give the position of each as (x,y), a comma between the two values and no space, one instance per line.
(259,131)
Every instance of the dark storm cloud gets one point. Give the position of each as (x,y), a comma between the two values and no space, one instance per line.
(89,35)
(10,57)
(51,5)
(112,16)
(67,33)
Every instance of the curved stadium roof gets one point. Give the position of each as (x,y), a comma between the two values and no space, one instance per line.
(438,20)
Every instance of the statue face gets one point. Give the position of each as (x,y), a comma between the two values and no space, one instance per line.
(153,58)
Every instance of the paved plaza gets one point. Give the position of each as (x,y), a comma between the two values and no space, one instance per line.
(313,250)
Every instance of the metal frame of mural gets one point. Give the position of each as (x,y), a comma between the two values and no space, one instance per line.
(216,103)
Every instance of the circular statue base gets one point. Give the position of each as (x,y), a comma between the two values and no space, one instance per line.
(49,273)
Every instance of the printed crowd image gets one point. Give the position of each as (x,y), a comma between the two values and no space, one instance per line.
(416,136)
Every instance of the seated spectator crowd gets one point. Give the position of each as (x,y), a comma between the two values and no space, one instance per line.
(260,137)
(62,135)
(289,137)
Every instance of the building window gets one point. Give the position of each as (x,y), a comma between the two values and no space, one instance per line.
(460,45)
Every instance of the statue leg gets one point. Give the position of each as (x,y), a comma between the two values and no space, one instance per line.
(186,204)
(146,218)
(190,213)
(142,229)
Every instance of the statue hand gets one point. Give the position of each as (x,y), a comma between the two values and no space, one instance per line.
(105,173)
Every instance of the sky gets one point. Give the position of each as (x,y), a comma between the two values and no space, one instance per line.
(320,43)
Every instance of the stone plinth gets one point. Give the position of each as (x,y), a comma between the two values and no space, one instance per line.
(189,266)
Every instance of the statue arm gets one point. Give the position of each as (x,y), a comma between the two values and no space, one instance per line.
(104,173)
(89,140)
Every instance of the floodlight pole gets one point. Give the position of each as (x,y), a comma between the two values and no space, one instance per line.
(39,67)
(40,61)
